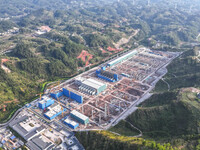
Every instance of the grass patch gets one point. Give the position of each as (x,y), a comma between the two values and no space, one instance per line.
(159,99)
(161,86)
(124,128)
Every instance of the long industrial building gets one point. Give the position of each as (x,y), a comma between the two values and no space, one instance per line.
(69,94)
(79,117)
(92,87)
(122,58)
(73,96)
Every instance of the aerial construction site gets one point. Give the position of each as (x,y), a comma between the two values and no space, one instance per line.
(100,97)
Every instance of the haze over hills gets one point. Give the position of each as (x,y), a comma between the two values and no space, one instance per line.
(99,29)
(19,7)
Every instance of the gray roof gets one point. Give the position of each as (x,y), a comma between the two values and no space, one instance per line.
(32,146)
(38,144)
(18,120)
(76,142)
(21,131)
(59,148)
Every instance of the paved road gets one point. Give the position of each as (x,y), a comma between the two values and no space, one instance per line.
(140,132)
(3,125)
(123,41)
(167,84)
(139,135)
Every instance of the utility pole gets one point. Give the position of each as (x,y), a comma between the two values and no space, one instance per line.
(119,105)
(97,102)
(82,109)
(92,113)
(99,118)
(105,110)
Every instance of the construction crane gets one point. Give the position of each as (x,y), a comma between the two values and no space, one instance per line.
(41,96)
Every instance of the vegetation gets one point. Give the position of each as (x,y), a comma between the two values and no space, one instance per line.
(6,25)
(127,131)
(102,140)
(182,72)
(172,119)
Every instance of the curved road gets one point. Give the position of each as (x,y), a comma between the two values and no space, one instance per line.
(3,125)
(166,83)
(137,136)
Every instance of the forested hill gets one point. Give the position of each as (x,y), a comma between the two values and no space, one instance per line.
(104,140)
(19,7)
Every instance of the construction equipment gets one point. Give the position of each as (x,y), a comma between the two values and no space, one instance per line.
(58,85)
(40,95)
